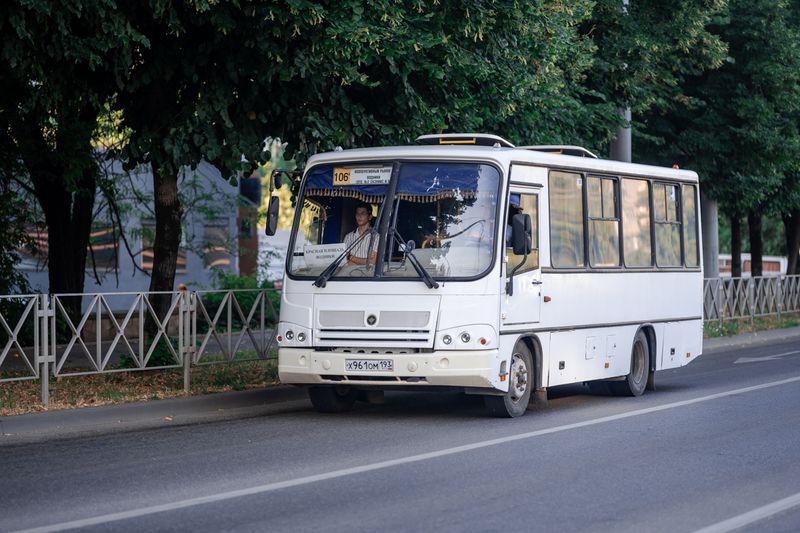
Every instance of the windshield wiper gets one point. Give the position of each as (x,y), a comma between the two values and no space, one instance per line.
(423,274)
(323,278)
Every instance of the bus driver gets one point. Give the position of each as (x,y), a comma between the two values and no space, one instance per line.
(358,255)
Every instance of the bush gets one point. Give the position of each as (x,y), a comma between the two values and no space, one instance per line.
(246,300)
(161,355)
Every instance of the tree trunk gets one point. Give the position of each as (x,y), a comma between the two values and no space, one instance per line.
(791,227)
(167,237)
(736,247)
(66,197)
(756,244)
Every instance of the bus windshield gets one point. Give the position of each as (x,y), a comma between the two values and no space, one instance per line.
(444,213)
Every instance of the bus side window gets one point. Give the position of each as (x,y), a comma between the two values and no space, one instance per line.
(601,198)
(666,197)
(526,204)
(566,219)
(690,226)
(636,223)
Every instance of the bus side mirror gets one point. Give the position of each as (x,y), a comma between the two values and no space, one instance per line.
(277,178)
(521,228)
(272,215)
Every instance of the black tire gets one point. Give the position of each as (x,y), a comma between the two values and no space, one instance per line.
(514,403)
(336,399)
(635,382)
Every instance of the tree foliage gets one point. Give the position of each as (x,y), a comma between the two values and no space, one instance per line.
(738,125)
(194,80)
(61,61)
(647,49)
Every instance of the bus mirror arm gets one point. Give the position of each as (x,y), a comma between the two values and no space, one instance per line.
(522,239)
(510,282)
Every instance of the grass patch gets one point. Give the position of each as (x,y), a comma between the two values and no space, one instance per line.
(67,392)
(713,328)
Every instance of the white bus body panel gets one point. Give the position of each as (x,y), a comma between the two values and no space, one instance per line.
(583,329)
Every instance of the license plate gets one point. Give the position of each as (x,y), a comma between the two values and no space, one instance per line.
(369,365)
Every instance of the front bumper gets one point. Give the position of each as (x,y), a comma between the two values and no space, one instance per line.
(467,368)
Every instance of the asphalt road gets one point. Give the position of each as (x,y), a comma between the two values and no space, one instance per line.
(717,446)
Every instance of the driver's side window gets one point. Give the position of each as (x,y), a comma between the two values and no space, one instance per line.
(528,204)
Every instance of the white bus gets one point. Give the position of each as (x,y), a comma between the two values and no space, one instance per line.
(488,268)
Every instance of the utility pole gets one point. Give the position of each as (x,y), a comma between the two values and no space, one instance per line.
(621,145)
(709,218)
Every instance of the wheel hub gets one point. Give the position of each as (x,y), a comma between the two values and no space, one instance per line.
(519,378)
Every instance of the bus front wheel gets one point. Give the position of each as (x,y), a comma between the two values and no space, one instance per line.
(520,384)
(636,381)
(332,399)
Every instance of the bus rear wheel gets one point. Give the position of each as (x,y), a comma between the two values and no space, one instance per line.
(514,403)
(335,399)
(635,382)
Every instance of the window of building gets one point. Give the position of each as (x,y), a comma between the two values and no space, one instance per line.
(148,237)
(102,253)
(690,226)
(528,204)
(636,223)
(666,197)
(34,258)
(601,198)
(566,219)
(216,246)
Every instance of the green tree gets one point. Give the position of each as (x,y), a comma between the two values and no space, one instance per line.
(737,125)
(61,61)
(191,96)
(215,79)
(646,51)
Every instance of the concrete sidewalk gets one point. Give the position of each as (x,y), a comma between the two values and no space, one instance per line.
(68,423)
(747,339)
(225,406)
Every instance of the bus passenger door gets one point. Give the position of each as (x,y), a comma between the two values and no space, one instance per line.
(521,305)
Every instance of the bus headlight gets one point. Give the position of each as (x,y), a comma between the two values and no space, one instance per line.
(293,335)
(470,337)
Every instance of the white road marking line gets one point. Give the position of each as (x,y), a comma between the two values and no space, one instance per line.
(269,487)
(753,516)
(763,358)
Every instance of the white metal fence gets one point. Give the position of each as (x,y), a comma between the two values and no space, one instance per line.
(734,298)
(122,332)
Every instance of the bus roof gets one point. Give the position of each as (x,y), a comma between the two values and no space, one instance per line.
(504,157)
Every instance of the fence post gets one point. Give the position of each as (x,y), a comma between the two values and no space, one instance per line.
(185,336)
(44,356)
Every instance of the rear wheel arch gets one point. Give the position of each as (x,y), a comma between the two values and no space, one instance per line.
(650,334)
(534,345)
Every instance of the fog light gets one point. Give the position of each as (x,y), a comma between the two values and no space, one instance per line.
(447,339)
(289,335)
(465,337)
(301,337)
